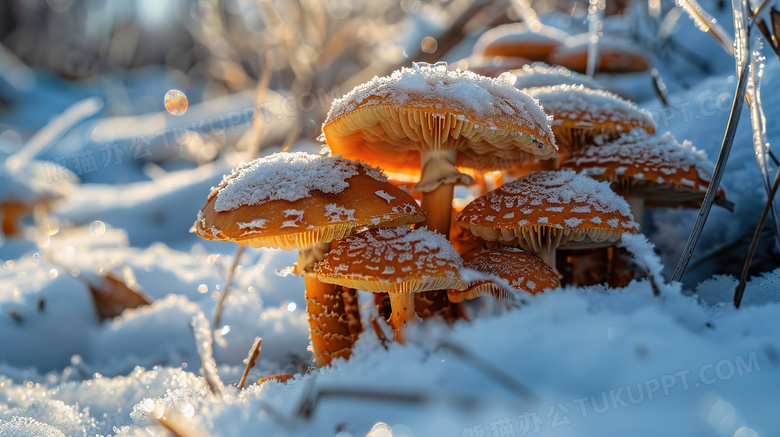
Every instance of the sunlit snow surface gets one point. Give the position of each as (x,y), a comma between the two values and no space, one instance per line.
(573,362)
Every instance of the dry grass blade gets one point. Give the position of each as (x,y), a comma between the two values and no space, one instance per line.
(307,409)
(755,12)
(660,87)
(378,331)
(774,15)
(178,426)
(493,13)
(251,359)
(254,135)
(759,125)
(723,156)
(15,315)
(203,342)
(761,24)
(228,285)
(720,167)
(291,138)
(490,370)
(706,23)
(740,291)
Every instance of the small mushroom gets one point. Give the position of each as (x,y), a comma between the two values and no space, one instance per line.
(540,74)
(653,171)
(581,114)
(544,211)
(535,43)
(297,201)
(514,269)
(398,261)
(614,55)
(37,184)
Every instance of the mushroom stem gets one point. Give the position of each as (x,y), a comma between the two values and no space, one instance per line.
(438,176)
(438,209)
(402,305)
(637,205)
(352,311)
(548,255)
(328,326)
(310,255)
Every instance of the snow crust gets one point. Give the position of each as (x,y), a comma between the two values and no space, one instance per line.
(588,106)
(539,74)
(433,86)
(537,191)
(286,176)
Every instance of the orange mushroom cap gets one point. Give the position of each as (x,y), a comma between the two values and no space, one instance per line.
(514,269)
(517,40)
(393,260)
(390,120)
(548,210)
(614,55)
(657,168)
(295,200)
(580,114)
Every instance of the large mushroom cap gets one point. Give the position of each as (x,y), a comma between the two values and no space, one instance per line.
(393,260)
(295,200)
(548,210)
(580,114)
(614,55)
(540,74)
(513,268)
(518,40)
(390,120)
(657,168)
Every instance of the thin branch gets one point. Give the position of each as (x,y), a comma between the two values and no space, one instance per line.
(490,370)
(228,285)
(767,206)
(720,167)
(251,359)
(378,331)
(254,135)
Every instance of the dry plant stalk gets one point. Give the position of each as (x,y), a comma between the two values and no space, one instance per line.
(380,334)
(178,426)
(228,284)
(251,359)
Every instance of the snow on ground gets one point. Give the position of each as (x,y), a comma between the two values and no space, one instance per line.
(571,362)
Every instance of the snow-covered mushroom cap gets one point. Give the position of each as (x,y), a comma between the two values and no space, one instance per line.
(518,40)
(656,168)
(513,269)
(540,74)
(580,114)
(615,55)
(390,120)
(548,210)
(393,260)
(296,200)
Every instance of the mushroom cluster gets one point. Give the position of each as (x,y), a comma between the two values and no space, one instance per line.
(431,128)
(297,201)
